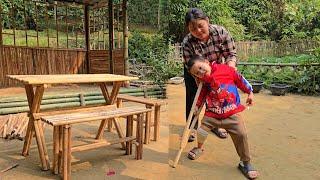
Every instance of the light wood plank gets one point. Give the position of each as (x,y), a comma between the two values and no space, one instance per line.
(70,78)
(79,117)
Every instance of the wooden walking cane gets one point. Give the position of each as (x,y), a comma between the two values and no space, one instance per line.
(187,128)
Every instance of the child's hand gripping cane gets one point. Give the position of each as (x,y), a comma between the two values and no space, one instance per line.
(188,128)
(249,101)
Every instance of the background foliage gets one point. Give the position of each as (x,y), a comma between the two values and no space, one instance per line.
(162,22)
(154,51)
(245,19)
(302,79)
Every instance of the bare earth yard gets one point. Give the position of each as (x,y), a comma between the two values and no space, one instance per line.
(284,138)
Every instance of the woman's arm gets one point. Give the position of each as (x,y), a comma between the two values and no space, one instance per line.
(228,47)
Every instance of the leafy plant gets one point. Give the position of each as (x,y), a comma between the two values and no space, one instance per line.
(303,79)
(220,12)
(153,50)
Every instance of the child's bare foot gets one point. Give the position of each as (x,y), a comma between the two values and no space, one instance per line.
(248,171)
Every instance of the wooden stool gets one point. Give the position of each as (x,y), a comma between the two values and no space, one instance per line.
(150,104)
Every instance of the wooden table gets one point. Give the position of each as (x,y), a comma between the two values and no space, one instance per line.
(35,85)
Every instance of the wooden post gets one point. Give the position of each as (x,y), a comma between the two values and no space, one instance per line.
(40,145)
(30,128)
(119,103)
(119,131)
(156,122)
(139,135)
(125,37)
(44,147)
(147,125)
(87,35)
(55,164)
(34,101)
(66,152)
(60,161)
(69,152)
(110,8)
(129,134)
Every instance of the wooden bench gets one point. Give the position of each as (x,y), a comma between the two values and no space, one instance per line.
(149,103)
(62,121)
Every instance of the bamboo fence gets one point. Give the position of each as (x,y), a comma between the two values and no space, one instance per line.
(27,60)
(246,49)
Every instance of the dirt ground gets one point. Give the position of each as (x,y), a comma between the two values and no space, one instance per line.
(283,135)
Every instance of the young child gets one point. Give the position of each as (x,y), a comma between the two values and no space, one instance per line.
(222,107)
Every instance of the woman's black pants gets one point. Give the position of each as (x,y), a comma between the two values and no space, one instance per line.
(191,90)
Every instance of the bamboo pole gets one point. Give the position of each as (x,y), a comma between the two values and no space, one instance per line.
(156,122)
(125,37)
(139,135)
(65,152)
(55,149)
(87,35)
(60,160)
(129,134)
(111,40)
(147,126)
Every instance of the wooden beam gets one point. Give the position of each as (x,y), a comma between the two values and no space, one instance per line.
(101,144)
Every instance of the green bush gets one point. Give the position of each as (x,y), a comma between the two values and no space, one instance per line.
(153,50)
(302,79)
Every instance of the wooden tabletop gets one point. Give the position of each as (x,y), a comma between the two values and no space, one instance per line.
(69,78)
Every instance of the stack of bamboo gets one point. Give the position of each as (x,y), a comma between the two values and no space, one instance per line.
(13,126)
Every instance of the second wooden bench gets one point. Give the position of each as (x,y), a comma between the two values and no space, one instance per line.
(150,104)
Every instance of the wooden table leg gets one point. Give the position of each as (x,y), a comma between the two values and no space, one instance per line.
(69,152)
(109,100)
(109,127)
(30,128)
(66,152)
(119,131)
(34,101)
(60,161)
(131,130)
(156,122)
(139,135)
(101,128)
(28,137)
(129,133)
(147,126)
(41,127)
(56,143)
(106,95)
(40,143)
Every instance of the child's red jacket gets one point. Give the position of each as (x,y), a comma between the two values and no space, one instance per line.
(226,101)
